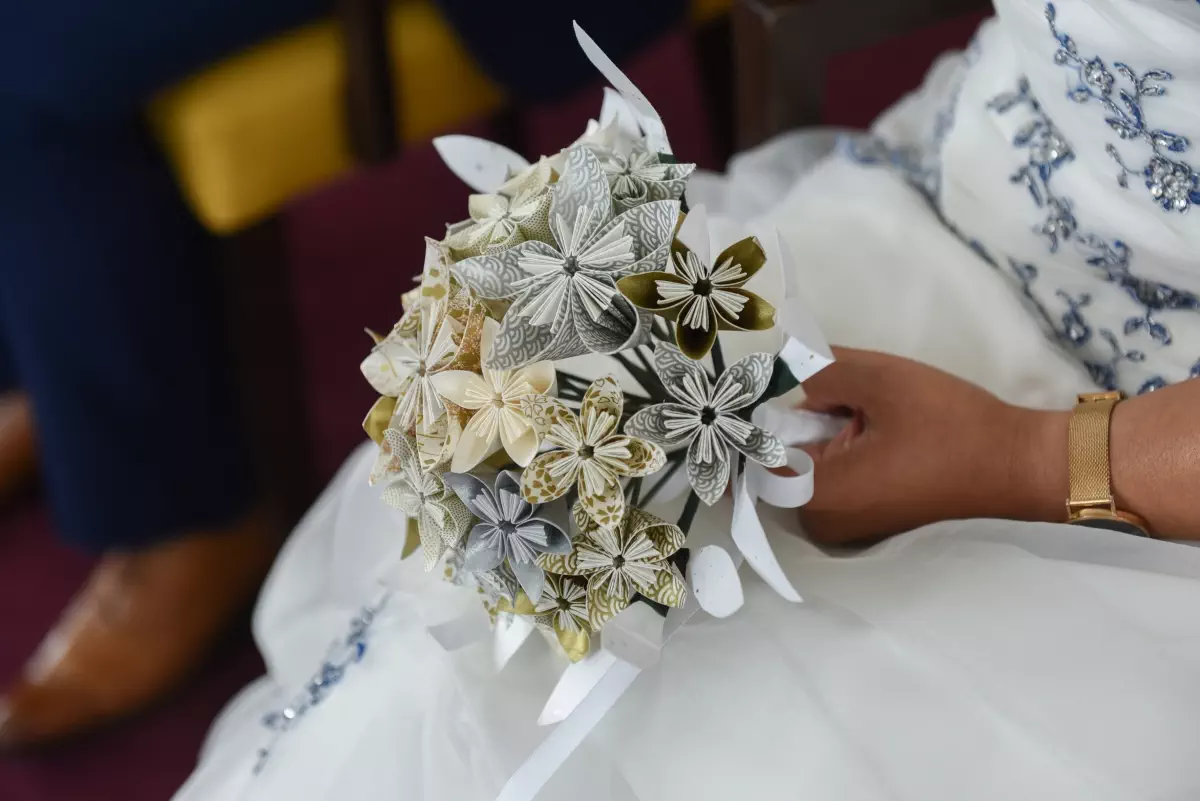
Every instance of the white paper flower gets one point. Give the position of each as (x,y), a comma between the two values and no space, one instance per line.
(402,365)
(705,418)
(566,303)
(495,398)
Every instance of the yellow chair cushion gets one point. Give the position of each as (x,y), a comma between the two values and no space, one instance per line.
(258,128)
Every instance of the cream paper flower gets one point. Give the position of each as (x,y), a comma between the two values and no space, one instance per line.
(495,397)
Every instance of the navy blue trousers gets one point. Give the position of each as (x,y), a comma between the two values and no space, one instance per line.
(108,291)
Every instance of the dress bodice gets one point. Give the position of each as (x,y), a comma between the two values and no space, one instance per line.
(1067,152)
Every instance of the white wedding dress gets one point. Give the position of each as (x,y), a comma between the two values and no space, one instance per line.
(983,228)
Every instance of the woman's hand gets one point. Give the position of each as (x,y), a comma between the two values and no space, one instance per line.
(920,446)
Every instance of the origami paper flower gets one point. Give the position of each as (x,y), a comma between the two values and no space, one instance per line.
(705,417)
(517,211)
(507,531)
(704,298)
(566,302)
(402,364)
(495,397)
(563,610)
(442,519)
(641,176)
(619,563)
(589,453)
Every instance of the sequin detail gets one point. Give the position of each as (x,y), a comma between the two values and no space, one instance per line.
(342,654)
(1172,182)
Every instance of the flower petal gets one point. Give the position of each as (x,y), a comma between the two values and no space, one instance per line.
(606,508)
(478,441)
(557,541)
(531,577)
(462,388)
(669,587)
(480,555)
(708,477)
(642,290)
(684,378)
(540,376)
(603,607)
(519,343)
(647,458)
(518,437)
(538,482)
(492,275)
(651,424)
(693,234)
(576,643)
(619,327)
(471,490)
(763,447)
(383,370)
(651,225)
(667,538)
(582,183)
(604,395)
(560,564)
(377,419)
(696,342)
(756,313)
(746,253)
(743,382)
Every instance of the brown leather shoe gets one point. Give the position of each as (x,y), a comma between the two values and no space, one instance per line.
(18,445)
(135,631)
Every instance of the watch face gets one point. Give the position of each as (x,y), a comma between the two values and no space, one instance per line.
(1111,524)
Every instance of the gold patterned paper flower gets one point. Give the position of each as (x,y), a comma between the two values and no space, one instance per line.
(495,399)
(633,558)
(590,454)
(563,610)
(702,298)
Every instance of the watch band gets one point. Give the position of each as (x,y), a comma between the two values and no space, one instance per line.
(1088,459)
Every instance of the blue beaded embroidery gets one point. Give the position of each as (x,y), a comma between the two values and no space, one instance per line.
(1173,183)
(347,651)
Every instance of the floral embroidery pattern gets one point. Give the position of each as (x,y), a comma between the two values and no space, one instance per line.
(1173,183)
(1048,151)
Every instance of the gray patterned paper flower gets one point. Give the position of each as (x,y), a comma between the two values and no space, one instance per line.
(566,302)
(705,417)
(507,531)
(641,177)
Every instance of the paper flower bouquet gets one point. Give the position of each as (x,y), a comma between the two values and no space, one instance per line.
(538,487)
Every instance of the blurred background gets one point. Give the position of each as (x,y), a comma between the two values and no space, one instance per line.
(296,135)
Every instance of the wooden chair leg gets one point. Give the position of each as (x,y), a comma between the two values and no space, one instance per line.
(268,368)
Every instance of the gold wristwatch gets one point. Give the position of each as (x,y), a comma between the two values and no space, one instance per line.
(1091,502)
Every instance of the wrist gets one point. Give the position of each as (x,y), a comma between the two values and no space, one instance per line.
(1038,474)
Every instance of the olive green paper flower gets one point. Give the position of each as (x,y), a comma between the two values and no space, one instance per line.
(703,299)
